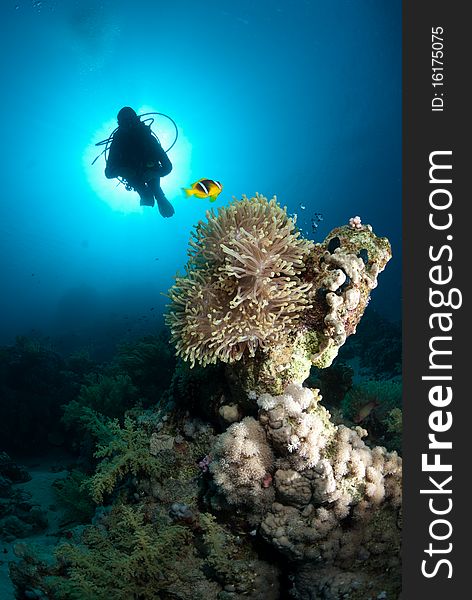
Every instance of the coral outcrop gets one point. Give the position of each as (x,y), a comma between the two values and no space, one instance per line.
(332,501)
(270,305)
(258,296)
(239,484)
(329,484)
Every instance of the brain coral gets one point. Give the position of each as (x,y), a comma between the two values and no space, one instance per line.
(242,289)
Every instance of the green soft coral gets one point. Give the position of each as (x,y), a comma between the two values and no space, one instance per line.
(129,558)
(220,547)
(127,453)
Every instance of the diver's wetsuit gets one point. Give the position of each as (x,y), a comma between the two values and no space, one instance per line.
(137,156)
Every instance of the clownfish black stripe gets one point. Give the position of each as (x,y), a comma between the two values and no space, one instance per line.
(202,187)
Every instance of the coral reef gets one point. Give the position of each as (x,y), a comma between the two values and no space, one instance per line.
(158,546)
(149,363)
(344,270)
(238,570)
(329,583)
(315,491)
(127,454)
(327,474)
(239,473)
(139,374)
(334,501)
(111,395)
(34,382)
(125,557)
(259,297)
(199,390)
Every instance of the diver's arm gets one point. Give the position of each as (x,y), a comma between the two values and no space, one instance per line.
(165,165)
(159,156)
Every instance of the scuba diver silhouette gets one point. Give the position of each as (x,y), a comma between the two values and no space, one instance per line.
(137,156)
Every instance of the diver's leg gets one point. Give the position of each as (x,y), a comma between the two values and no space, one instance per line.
(165,207)
(145,192)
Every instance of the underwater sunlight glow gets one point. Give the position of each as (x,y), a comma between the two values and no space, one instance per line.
(114,193)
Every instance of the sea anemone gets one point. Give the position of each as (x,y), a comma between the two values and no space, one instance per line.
(241,291)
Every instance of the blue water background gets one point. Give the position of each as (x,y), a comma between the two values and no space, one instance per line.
(301,99)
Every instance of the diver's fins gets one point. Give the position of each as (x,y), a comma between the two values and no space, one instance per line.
(165,207)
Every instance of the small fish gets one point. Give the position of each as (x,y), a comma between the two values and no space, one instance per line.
(365,411)
(315,221)
(205,188)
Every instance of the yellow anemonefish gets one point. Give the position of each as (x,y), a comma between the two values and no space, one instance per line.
(205,188)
